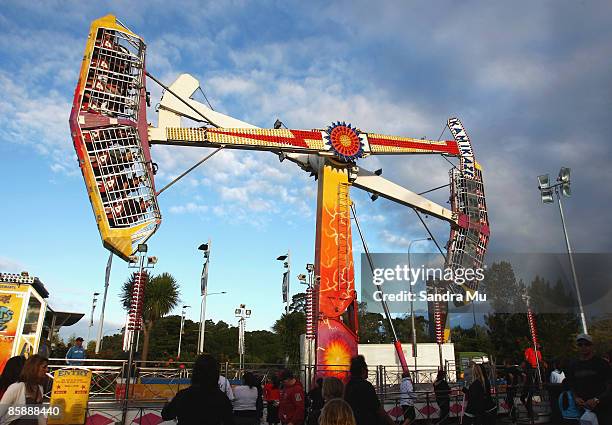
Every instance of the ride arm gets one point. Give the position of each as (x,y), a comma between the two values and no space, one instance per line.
(375,184)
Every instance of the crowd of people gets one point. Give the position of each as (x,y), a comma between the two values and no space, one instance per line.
(576,390)
(583,386)
(330,402)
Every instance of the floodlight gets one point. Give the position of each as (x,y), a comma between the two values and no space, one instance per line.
(142,247)
(374,197)
(203,247)
(564,178)
(282,257)
(237,312)
(310,267)
(242,305)
(133,259)
(96,294)
(547,196)
(302,278)
(248,313)
(544,181)
(378,172)
(152,261)
(278,124)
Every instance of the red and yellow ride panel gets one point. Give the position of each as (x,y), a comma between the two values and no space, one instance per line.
(109,131)
(251,138)
(336,341)
(381,144)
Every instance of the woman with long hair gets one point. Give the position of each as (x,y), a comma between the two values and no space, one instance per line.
(475,393)
(11,373)
(332,388)
(442,392)
(337,412)
(248,404)
(27,391)
(203,403)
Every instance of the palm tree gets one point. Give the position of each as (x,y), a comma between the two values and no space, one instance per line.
(161,295)
(289,327)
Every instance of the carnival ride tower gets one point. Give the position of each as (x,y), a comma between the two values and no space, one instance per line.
(112,141)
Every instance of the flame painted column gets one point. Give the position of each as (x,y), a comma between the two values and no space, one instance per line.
(336,336)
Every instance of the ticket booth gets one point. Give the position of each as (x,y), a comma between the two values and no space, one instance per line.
(22,312)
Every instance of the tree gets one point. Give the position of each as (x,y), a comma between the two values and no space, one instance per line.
(298,302)
(289,327)
(161,295)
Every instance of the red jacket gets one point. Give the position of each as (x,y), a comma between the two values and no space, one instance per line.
(530,357)
(291,408)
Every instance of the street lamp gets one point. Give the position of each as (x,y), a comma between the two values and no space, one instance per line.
(205,248)
(242,313)
(185,307)
(286,259)
(562,188)
(139,261)
(414,339)
(91,319)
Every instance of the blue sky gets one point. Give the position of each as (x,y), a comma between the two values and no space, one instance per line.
(531,83)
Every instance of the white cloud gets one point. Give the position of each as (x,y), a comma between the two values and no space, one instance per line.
(9,265)
(189,207)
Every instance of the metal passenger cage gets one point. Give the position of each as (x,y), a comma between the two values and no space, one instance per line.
(109,130)
(468,241)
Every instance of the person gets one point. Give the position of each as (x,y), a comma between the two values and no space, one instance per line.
(534,357)
(512,376)
(337,412)
(203,403)
(43,347)
(291,407)
(569,412)
(27,391)
(361,396)
(332,388)
(272,397)
(490,406)
(315,402)
(528,387)
(407,398)
(590,380)
(11,372)
(475,393)
(76,352)
(225,386)
(442,392)
(248,404)
(554,390)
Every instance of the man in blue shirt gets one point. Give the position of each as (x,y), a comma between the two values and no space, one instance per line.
(76,352)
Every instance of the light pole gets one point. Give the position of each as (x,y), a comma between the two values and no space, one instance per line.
(242,313)
(106,283)
(203,317)
(311,315)
(562,187)
(185,307)
(139,261)
(91,318)
(414,339)
(286,258)
(205,248)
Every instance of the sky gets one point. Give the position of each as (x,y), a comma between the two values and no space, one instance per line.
(531,82)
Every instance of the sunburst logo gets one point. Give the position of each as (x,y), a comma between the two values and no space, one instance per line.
(337,358)
(344,141)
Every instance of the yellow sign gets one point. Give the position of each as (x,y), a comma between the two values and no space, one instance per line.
(71,394)
(11,300)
